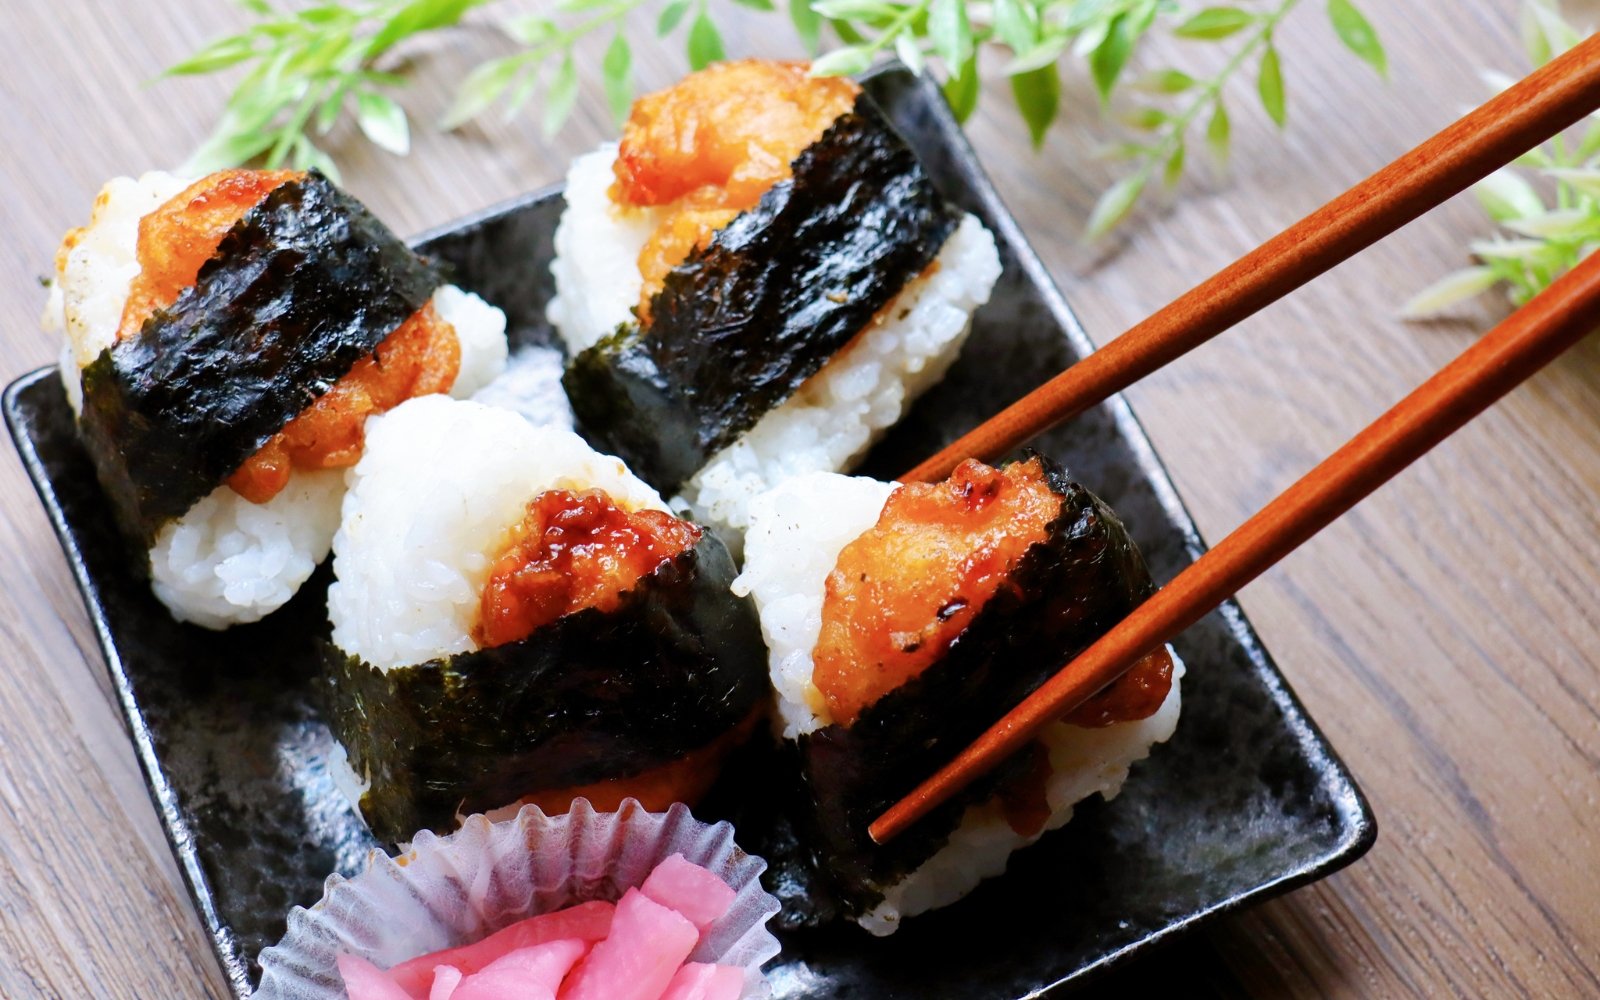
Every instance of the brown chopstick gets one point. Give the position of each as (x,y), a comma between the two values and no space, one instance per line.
(1540,106)
(1528,340)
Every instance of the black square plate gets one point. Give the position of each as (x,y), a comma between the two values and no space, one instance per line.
(1246,801)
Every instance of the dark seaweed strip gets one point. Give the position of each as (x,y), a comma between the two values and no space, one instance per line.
(303,286)
(780,290)
(1066,592)
(590,697)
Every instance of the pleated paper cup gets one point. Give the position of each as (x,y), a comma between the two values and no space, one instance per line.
(458,889)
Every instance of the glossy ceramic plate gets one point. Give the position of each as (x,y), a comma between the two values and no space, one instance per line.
(1246,801)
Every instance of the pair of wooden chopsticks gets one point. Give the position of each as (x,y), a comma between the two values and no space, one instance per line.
(1544,104)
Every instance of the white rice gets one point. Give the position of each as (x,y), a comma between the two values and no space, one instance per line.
(439,486)
(837,414)
(797,531)
(88,294)
(597,254)
(227,560)
(531,386)
(481,333)
(1082,762)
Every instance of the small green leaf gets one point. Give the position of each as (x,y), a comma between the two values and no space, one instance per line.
(479,90)
(615,72)
(416,17)
(577,6)
(384,122)
(1174,168)
(1447,291)
(1534,40)
(961,90)
(1270,85)
(1219,133)
(1115,204)
(1565,224)
(1559,36)
(1043,54)
(1590,143)
(1506,195)
(1585,180)
(705,43)
(854,10)
(226,148)
(1145,118)
(1358,35)
(561,96)
(1164,81)
(1014,25)
(1520,250)
(671,15)
(1110,56)
(951,34)
(807,24)
(1038,94)
(259,8)
(843,62)
(763,5)
(220,54)
(308,157)
(520,96)
(532,31)
(1214,23)
(846,33)
(328,113)
(909,51)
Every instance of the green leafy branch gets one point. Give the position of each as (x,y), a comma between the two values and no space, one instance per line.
(310,65)
(1546,239)
(515,78)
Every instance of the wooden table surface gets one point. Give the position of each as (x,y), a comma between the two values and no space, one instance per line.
(1445,634)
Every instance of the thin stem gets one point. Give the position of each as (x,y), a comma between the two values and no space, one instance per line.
(1211,89)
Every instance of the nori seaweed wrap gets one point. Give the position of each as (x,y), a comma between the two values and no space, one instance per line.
(591,697)
(779,291)
(517,615)
(858,750)
(303,286)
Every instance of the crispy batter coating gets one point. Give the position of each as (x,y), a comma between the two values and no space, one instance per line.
(573,551)
(902,591)
(712,144)
(179,237)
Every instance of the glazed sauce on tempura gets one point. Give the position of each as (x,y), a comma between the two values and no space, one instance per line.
(421,356)
(572,551)
(903,590)
(712,145)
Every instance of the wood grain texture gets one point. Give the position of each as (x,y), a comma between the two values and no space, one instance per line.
(1445,633)
(1537,108)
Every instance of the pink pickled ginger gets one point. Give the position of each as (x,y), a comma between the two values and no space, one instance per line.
(365,981)
(693,891)
(696,981)
(637,961)
(525,974)
(585,922)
